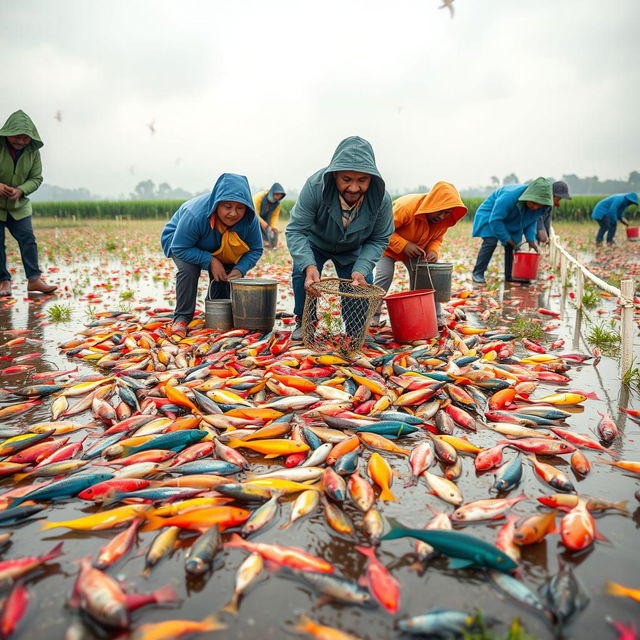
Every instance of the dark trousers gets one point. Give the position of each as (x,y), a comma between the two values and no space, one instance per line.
(608,227)
(22,231)
(484,257)
(187,288)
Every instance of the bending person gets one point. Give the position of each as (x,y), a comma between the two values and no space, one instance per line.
(344,215)
(216,232)
(608,211)
(421,222)
(20,175)
(267,205)
(505,216)
(560,192)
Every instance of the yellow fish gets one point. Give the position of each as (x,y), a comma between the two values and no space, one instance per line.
(270,448)
(285,486)
(563,398)
(103,520)
(380,442)
(380,472)
(460,444)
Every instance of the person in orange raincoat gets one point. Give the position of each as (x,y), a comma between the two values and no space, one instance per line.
(421,221)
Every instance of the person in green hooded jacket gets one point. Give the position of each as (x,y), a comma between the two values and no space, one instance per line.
(20,175)
(343,214)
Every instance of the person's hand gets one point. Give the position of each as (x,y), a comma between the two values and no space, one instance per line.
(312,275)
(543,237)
(216,268)
(412,250)
(511,243)
(16,193)
(625,222)
(234,274)
(431,256)
(358,280)
(534,246)
(5,190)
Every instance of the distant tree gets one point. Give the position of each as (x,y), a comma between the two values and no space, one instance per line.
(495,182)
(144,190)
(512,178)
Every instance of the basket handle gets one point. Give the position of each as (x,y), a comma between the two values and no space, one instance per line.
(414,267)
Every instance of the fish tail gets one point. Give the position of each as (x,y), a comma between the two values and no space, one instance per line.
(615,589)
(621,506)
(236,541)
(234,443)
(232,606)
(126,451)
(165,594)
(50,525)
(387,495)
(304,623)
(153,523)
(21,476)
(367,551)
(54,553)
(211,623)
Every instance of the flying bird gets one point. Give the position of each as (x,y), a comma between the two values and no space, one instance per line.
(449,5)
(58,116)
(152,126)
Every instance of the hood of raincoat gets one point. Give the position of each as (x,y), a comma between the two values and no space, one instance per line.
(632,197)
(19,123)
(443,196)
(354,154)
(539,191)
(276,187)
(231,187)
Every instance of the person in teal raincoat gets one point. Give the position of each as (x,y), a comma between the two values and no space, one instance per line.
(20,175)
(505,216)
(608,211)
(343,214)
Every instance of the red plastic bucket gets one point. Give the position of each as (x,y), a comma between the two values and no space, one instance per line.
(633,233)
(525,265)
(413,315)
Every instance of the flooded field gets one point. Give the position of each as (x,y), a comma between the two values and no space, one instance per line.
(100,268)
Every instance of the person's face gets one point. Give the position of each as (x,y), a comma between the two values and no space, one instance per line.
(230,212)
(19,142)
(556,201)
(534,206)
(352,185)
(278,196)
(438,216)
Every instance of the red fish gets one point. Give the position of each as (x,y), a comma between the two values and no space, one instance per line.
(15,606)
(382,585)
(578,528)
(607,428)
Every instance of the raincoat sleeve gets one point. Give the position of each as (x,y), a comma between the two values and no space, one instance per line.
(621,208)
(253,239)
(378,240)
(275,216)
(185,240)
(34,179)
(301,221)
(531,230)
(435,241)
(502,208)
(402,216)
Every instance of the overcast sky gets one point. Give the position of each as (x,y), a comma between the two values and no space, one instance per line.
(268,88)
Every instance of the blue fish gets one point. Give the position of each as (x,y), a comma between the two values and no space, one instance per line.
(508,475)
(174,441)
(207,466)
(65,488)
(389,428)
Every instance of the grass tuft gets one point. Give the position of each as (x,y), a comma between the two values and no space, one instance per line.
(607,340)
(525,327)
(59,313)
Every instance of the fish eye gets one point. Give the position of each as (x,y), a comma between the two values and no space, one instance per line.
(500,559)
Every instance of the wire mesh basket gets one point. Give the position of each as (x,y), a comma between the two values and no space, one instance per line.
(338,316)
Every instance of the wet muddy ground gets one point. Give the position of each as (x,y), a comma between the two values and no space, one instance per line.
(93,275)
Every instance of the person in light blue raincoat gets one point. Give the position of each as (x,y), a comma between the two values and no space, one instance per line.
(505,216)
(608,211)
(216,232)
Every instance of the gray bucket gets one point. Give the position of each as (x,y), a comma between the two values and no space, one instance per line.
(217,314)
(434,275)
(253,302)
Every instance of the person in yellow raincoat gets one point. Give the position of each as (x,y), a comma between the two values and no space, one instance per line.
(267,207)
(421,221)
(216,232)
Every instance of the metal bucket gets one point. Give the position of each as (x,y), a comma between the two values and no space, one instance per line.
(217,314)
(253,303)
(434,275)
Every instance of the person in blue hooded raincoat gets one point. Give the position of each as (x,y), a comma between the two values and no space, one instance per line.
(608,211)
(505,216)
(267,206)
(216,232)
(343,214)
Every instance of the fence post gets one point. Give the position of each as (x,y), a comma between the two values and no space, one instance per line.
(626,356)
(580,286)
(563,270)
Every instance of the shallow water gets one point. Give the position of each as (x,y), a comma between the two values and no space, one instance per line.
(275,602)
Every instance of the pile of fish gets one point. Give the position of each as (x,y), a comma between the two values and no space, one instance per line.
(206,440)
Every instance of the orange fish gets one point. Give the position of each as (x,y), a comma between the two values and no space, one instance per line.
(380,472)
(578,528)
(200,519)
(535,528)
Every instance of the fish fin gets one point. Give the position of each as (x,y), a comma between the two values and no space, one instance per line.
(320,602)
(622,507)
(51,525)
(599,536)
(211,623)
(367,551)
(54,553)
(153,523)
(459,563)
(21,476)
(412,483)
(165,594)
(232,606)
(303,623)
(271,455)
(235,541)
(234,443)
(614,588)
(387,495)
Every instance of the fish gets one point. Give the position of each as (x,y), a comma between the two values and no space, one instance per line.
(306,503)
(101,520)
(61,489)
(287,556)
(380,472)
(517,590)
(118,546)
(202,552)
(262,515)
(578,529)
(564,596)
(444,488)
(14,609)
(566,502)
(162,545)
(534,528)
(607,429)
(464,550)
(270,448)
(381,584)
(552,476)
(199,519)
(442,623)
(171,629)
(248,572)
(492,509)
(616,589)
(10,570)
(322,632)
(542,446)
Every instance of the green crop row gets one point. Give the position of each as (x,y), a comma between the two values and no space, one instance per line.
(578,209)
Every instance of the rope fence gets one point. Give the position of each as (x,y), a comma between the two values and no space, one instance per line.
(561,258)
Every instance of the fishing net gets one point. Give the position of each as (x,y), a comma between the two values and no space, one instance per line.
(338,316)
